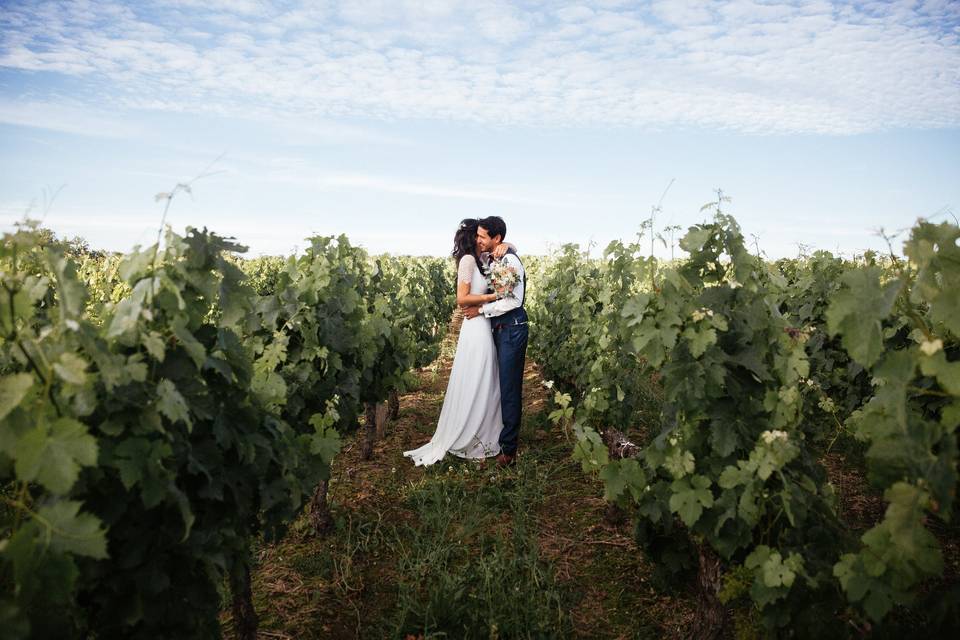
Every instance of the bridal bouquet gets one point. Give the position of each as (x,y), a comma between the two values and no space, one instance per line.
(502,278)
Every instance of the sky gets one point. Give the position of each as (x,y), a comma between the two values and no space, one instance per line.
(390,121)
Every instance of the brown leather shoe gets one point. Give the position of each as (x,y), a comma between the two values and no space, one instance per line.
(505,460)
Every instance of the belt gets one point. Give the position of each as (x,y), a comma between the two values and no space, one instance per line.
(516,322)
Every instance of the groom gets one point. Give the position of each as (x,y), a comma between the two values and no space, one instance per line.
(508,319)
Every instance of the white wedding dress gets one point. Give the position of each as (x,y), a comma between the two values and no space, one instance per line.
(470,420)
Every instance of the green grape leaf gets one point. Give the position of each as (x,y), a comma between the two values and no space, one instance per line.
(679,463)
(135,264)
(733,476)
(854,583)
(856,310)
(749,504)
(274,353)
(945,307)
(719,322)
(326,444)
(951,415)
(71,368)
(53,456)
(589,449)
(690,497)
(127,312)
(171,404)
(68,530)
(776,573)
(70,292)
(154,344)
(699,339)
(634,308)
(758,557)
(12,391)
(878,602)
(636,480)
(621,476)
(773,451)
(269,387)
(904,520)
(947,373)
(614,483)
(695,238)
(128,460)
(141,461)
(773,577)
(193,347)
(723,437)
(934,249)
(183,504)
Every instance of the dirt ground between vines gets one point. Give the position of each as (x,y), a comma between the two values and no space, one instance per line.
(344,584)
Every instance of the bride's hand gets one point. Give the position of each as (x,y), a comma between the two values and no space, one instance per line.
(501,250)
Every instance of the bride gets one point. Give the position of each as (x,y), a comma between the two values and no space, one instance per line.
(470,420)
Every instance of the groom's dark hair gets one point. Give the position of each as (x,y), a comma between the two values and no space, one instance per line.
(495,226)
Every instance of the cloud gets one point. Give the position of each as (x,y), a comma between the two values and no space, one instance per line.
(682,12)
(67,118)
(575,13)
(740,65)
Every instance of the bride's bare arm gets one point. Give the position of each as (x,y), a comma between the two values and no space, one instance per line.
(502,249)
(467,299)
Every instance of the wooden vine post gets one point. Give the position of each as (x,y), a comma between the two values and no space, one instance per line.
(369,430)
(244,616)
(394,402)
(320,517)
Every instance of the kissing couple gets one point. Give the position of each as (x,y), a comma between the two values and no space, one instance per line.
(481,410)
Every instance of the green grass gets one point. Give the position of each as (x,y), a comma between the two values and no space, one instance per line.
(470,566)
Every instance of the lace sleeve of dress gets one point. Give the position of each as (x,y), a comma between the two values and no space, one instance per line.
(468,264)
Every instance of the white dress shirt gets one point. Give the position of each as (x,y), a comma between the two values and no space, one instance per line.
(503,305)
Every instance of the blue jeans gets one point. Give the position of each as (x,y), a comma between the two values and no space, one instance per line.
(511,342)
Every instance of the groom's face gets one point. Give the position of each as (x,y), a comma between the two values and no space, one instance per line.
(484,242)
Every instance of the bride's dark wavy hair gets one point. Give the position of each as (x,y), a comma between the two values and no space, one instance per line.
(465,240)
